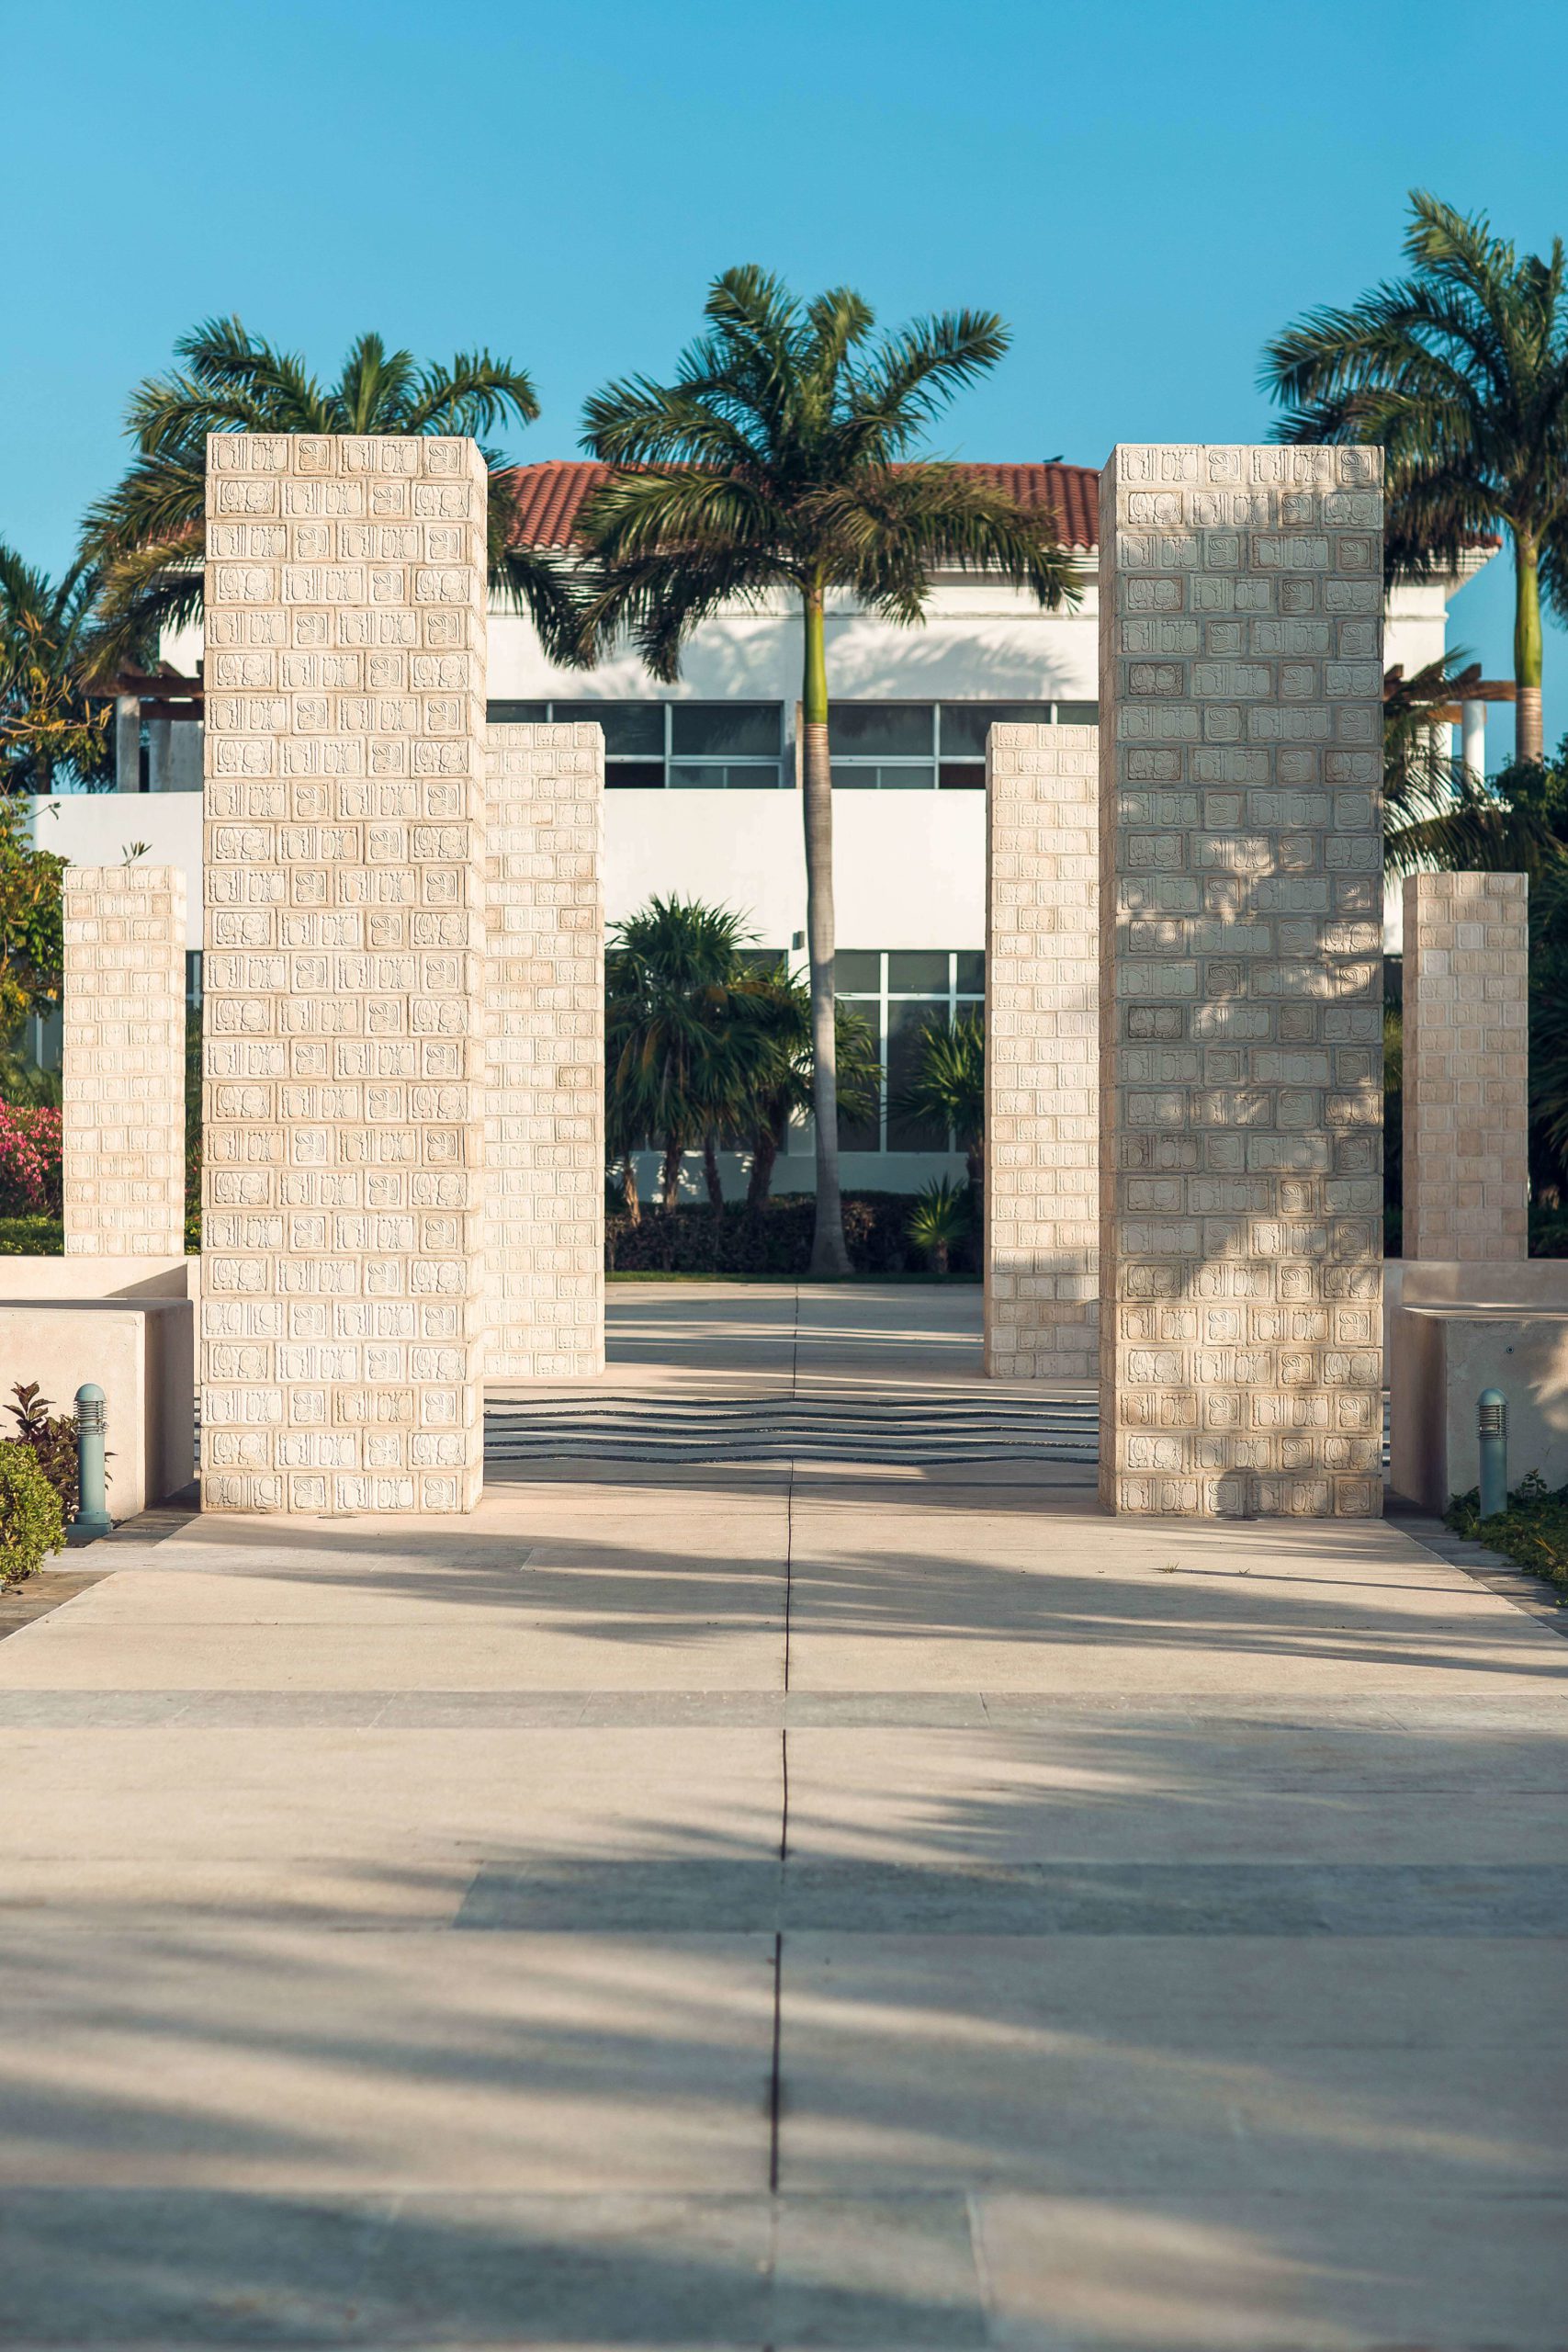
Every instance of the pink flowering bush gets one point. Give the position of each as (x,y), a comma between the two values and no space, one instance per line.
(29,1161)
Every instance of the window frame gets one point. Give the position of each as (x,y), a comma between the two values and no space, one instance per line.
(869,764)
(957,1001)
(717,764)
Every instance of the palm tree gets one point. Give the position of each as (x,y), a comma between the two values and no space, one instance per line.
(941,1216)
(778,459)
(681,1049)
(782,1013)
(146,533)
(47,727)
(949,1086)
(1461,371)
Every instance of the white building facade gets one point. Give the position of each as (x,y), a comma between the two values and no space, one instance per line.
(703,783)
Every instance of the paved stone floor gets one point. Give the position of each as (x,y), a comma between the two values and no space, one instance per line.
(784,1906)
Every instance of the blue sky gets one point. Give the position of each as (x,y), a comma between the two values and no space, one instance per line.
(1144,191)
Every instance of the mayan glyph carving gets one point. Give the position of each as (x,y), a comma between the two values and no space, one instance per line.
(343,1268)
(1241,878)
(1466,1094)
(123,1074)
(544,1049)
(1042,1053)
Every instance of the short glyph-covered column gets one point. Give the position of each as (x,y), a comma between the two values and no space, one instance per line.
(1241,1000)
(544,1046)
(1466,1070)
(343,1273)
(1042,1053)
(123,1078)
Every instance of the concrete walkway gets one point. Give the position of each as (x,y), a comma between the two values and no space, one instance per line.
(774,1907)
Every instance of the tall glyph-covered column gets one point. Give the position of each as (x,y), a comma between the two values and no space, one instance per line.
(1241,998)
(1466,1095)
(123,1078)
(544,1046)
(1042,1053)
(343,1268)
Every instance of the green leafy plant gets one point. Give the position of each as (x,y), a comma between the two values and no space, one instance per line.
(33,934)
(1459,370)
(782,460)
(32,1524)
(948,1085)
(943,1213)
(686,1038)
(50,729)
(146,534)
(32,1236)
(52,1440)
(1533,1530)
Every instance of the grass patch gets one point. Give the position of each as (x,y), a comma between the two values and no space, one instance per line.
(1533,1531)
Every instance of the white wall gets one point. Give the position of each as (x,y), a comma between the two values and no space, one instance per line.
(909,867)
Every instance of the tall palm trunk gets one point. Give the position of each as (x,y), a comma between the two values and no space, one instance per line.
(628,1188)
(764,1152)
(828,1255)
(1529,742)
(674,1152)
(710,1170)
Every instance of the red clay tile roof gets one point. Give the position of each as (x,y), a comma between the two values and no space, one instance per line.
(549,496)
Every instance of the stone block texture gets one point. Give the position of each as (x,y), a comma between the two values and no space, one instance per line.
(1042,1053)
(545,1052)
(343,1273)
(1241,986)
(123,1078)
(1466,1065)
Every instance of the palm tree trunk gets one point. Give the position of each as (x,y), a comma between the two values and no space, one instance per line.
(710,1170)
(628,1188)
(674,1152)
(974,1162)
(828,1255)
(1529,742)
(764,1151)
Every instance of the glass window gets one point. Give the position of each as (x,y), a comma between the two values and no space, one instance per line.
(517,714)
(857,971)
(964,725)
(695,776)
(634,775)
(906,1026)
(905,779)
(920,971)
(1078,714)
(971,962)
(962,775)
(881,729)
(631,730)
(750,778)
(708,729)
(854,779)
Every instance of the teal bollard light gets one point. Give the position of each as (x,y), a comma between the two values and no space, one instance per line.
(1492,1429)
(92,1516)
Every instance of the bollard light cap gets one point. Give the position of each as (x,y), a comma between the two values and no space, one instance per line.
(90,1393)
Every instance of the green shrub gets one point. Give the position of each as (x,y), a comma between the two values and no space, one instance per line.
(1533,1530)
(31,1521)
(52,1440)
(941,1218)
(32,1236)
(772,1242)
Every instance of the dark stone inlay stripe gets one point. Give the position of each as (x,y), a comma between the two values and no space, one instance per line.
(756,1897)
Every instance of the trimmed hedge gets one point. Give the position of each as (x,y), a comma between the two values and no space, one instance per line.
(32,1236)
(775,1241)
